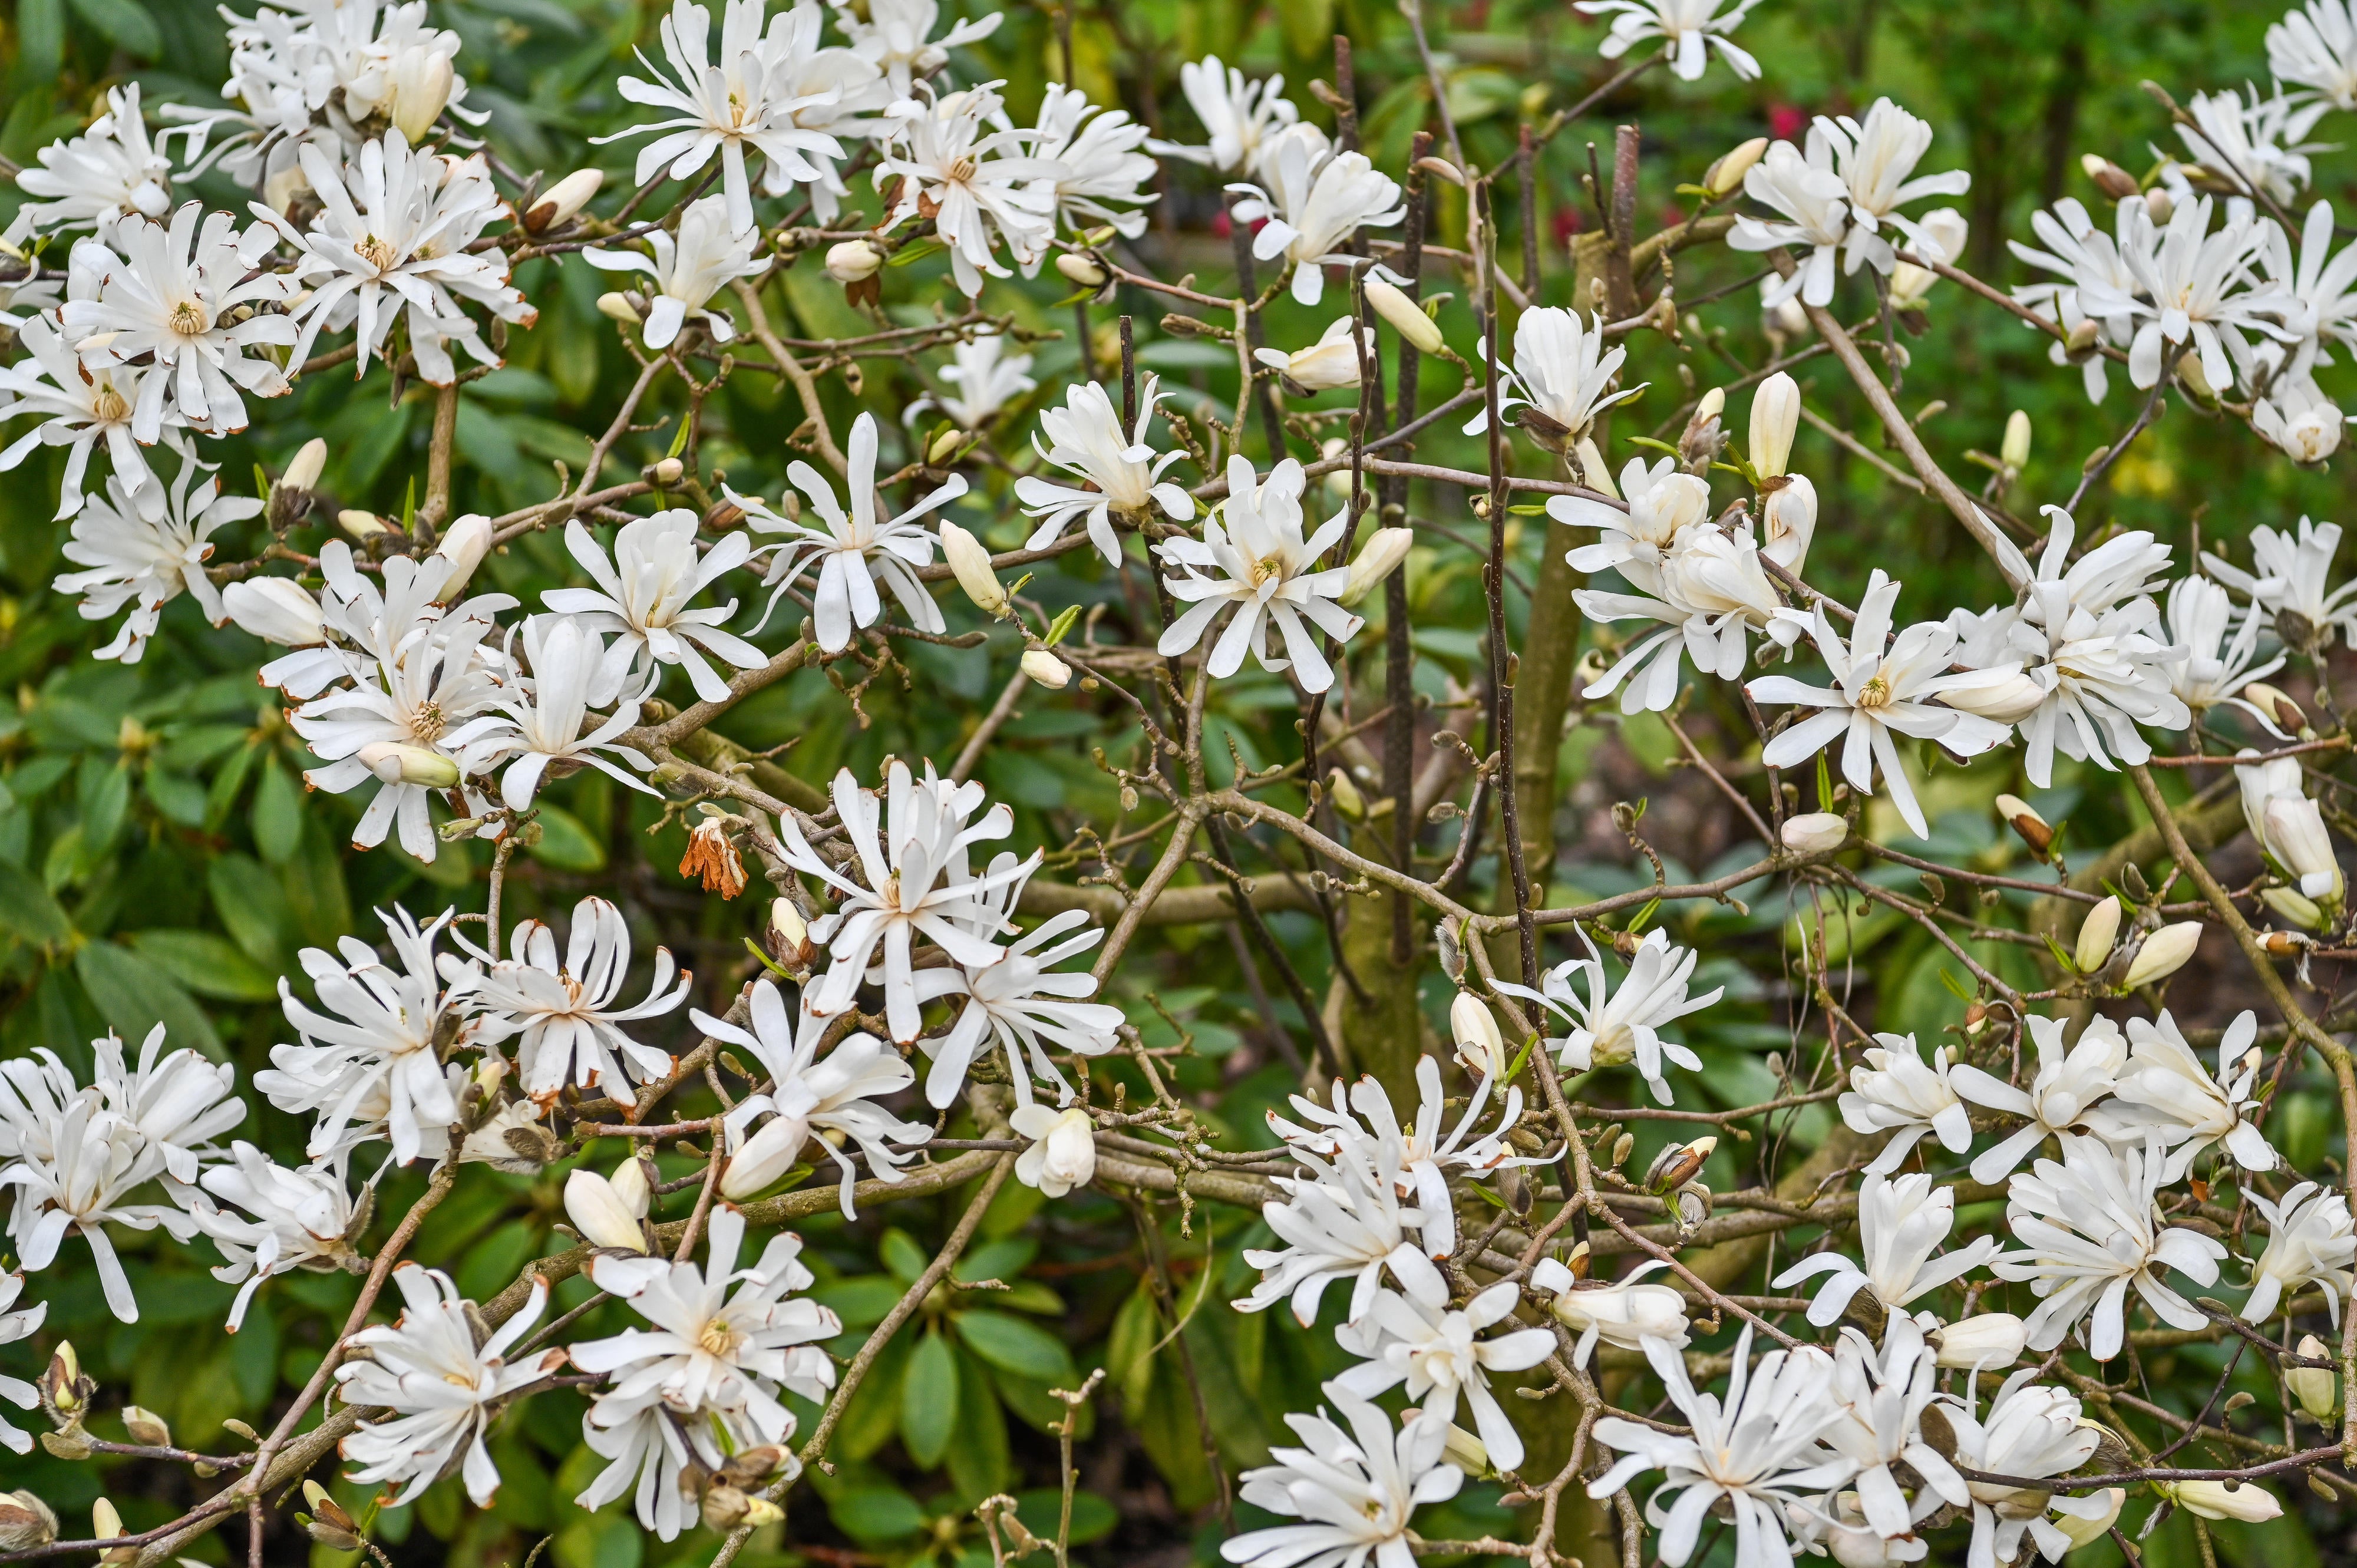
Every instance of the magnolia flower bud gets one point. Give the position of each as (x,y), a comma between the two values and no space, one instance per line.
(422,78)
(789,935)
(105,1524)
(1080,270)
(1813,832)
(726,1509)
(1775,419)
(853,261)
(464,546)
(559,202)
(2196,379)
(397,764)
(2313,1386)
(1480,1045)
(2084,1531)
(970,559)
(2288,903)
(2096,934)
(1378,558)
(664,473)
(2015,453)
(1047,670)
(2006,697)
(945,447)
(1592,471)
(2296,838)
(1467,1452)
(606,1213)
(328,1523)
(26,1521)
(361,524)
(2080,343)
(64,1390)
(1063,1151)
(2164,953)
(2034,830)
(1986,1340)
(1678,1164)
(618,306)
(303,470)
(277,610)
(1344,792)
(1726,173)
(2276,703)
(146,1427)
(2249,1503)
(1406,317)
(1713,404)
(1331,361)
(2110,178)
(2159,205)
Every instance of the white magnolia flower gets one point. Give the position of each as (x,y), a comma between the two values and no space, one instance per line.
(1625,1311)
(1877,693)
(2086,260)
(2253,145)
(442,1387)
(1438,1353)
(301,1219)
(1759,1451)
(836,91)
(1875,159)
(2031,1430)
(1663,503)
(1883,1398)
(1319,201)
(1355,1491)
(1331,362)
(1708,595)
(1816,205)
(1899,1224)
(1122,470)
(74,1165)
(17,1323)
(979,185)
(1939,235)
(1609,1028)
(177,1104)
(109,173)
(2293,572)
(642,599)
(177,300)
(1342,1220)
(988,378)
(2060,1099)
(394,242)
(142,548)
(562,1016)
(916,883)
(744,100)
(851,552)
(2322,304)
(2217,666)
(1098,151)
(2299,420)
(2314,48)
(78,406)
(1063,1151)
(1239,117)
(1561,379)
(896,37)
(702,1384)
(609,1211)
(2166,1091)
(2089,1230)
(2310,1241)
(548,724)
(1253,559)
(2197,291)
(370,1063)
(1689,30)
(1894,1089)
(704,258)
(809,1096)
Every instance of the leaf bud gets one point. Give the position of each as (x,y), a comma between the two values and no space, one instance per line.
(146,1428)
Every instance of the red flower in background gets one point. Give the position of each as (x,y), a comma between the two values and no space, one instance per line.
(1786,121)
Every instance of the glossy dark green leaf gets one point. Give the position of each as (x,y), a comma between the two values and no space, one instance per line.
(27,911)
(125,22)
(565,844)
(206,963)
(929,1399)
(250,901)
(277,814)
(874,1515)
(133,995)
(1017,1346)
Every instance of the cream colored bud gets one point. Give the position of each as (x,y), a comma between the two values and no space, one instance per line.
(616,305)
(561,201)
(2300,911)
(2160,204)
(2097,932)
(1344,792)
(105,1524)
(2313,1387)
(2084,1531)
(789,935)
(1593,471)
(1466,1451)
(1712,406)
(666,471)
(2164,952)
(1813,832)
(361,524)
(464,546)
(2113,181)
(605,1213)
(1725,175)
(970,559)
(2248,1503)
(303,471)
(1080,270)
(1406,316)
(277,610)
(2296,836)
(26,1521)
(2035,831)
(853,261)
(2006,697)
(1775,421)
(2196,379)
(1987,1341)
(945,447)
(146,1427)
(1378,558)
(2276,703)
(422,80)
(2081,341)
(1047,670)
(1480,1045)
(2015,453)
(397,764)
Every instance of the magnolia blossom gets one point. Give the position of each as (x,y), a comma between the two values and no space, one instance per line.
(2062,1098)
(79,407)
(562,1016)
(1661,503)
(2310,1241)
(609,1211)
(301,1219)
(979,185)
(2164,1091)
(2193,291)
(2089,1230)
(1815,204)
(1874,159)
(642,598)
(1689,30)
(2217,666)
(988,378)
(2314,48)
(110,173)
(1708,595)
(1122,470)
(1063,1151)
(707,256)
(1625,1311)
(1355,1490)
(1437,1354)
(441,1386)
(142,548)
(1893,1089)
(1610,1028)
(2297,418)
(1883,1398)
(896,37)
(1562,378)
(2032,1431)
(744,100)
(1758,1450)
(547,723)
(852,550)
(1343,1220)
(1314,202)
(2293,573)
(1239,116)
(74,1165)
(1331,361)
(2089,264)
(1099,152)
(809,1096)
(1253,559)
(2252,144)
(1878,692)
(1900,1223)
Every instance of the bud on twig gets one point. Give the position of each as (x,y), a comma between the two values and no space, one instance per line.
(26,1521)
(1404,316)
(1678,1164)
(328,1523)
(971,561)
(1080,270)
(1045,669)
(146,1428)
(1727,171)
(2113,181)
(561,201)
(2164,952)
(2096,934)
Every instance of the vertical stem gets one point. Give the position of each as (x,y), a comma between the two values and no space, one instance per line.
(1526,178)
(1502,672)
(1619,281)
(1346,91)
(1399,656)
(1128,379)
(1256,335)
(428,521)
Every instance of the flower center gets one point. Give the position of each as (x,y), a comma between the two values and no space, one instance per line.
(717,1338)
(1264,568)
(109,405)
(188,318)
(1876,695)
(376,252)
(427,724)
(962,170)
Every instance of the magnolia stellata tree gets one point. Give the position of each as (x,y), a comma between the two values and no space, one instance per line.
(1612,1219)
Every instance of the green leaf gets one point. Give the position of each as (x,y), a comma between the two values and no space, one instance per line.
(873,1515)
(133,995)
(253,905)
(179,797)
(206,963)
(862,1302)
(565,844)
(1014,1345)
(41,44)
(980,1461)
(1129,1359)
(277,814)
(104,798)
(903,1256)
(1092,1517)
(27,911)
(124,23)
(929,1399)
